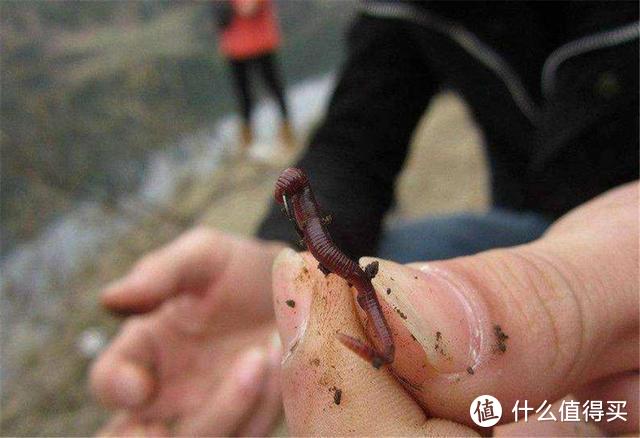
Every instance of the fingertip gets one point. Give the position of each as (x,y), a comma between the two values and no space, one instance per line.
(430,317)
(110,291)
(292,296)
(138,292)
(122,291)
(133,385)
(121,385)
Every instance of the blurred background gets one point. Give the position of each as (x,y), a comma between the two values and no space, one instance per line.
(118,132)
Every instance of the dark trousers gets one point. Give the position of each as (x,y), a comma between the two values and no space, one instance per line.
(445,237)
(266,65)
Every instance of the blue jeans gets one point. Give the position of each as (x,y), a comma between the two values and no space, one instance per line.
(439,238)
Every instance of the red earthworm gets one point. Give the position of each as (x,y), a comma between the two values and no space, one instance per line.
(294,192)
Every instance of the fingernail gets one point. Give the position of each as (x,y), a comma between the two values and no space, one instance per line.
(251,366)
(292,298)
(439,311)
(129,386)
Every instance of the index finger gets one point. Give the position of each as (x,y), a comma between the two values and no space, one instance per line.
(189,263)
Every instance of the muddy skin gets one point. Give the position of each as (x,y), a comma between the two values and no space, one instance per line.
(337,394)
(439,346)
(501,339)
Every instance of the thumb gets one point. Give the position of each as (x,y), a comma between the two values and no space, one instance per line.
(532,322)
(327,390)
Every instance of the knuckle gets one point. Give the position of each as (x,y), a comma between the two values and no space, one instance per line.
(552,306)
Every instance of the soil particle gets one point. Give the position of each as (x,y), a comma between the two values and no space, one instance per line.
(315,362)
(501,339)
(399,312)
(439,347)
(470,371)
(388,291)
(291,303)
(303,275)
(371,270)
(337,394)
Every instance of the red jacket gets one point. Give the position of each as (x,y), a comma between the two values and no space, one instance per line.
(253,31)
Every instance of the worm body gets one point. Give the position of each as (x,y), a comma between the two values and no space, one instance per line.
(291,181)
(293,190)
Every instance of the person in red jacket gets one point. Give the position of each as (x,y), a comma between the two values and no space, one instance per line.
(249,39)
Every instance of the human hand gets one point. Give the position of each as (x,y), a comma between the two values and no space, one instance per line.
(201,357)
(568,303)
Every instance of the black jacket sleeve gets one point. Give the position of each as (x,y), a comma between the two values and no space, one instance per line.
(357,152)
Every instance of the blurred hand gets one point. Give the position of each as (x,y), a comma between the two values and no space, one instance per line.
(537,322)
(201,356)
